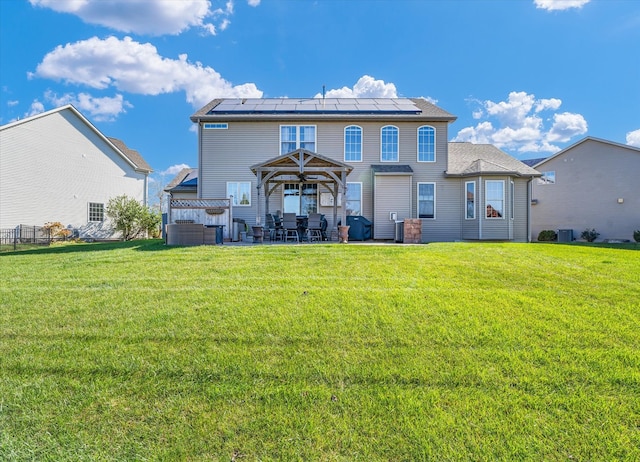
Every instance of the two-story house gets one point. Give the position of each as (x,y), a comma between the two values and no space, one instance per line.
(384,159)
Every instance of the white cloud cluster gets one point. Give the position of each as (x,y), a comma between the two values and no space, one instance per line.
(101,109)
(174,169)
(552,5)
(519,124)
(137,68)
(154,17)
(365,87)
(633,138)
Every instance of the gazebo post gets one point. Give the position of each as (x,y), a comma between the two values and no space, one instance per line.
(258,213)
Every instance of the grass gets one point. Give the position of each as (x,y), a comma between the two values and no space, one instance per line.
(136,351)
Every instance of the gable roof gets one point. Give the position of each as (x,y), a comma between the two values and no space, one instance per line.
(587,139)
(467,159)
(321,108)
(132,157)
(185,180)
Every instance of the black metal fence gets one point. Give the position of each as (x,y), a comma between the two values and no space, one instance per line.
(22,236)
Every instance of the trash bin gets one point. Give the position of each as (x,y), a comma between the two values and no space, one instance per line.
(238,226)
(359,228)
(399,231)
(213,234)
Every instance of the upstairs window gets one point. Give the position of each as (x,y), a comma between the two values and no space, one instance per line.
(353,144)
(294,137)
(426,144)
(547,178)
(389,144)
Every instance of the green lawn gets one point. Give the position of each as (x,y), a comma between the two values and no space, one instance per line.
(136,351)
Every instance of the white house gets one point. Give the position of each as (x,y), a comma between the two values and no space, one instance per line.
(56,166)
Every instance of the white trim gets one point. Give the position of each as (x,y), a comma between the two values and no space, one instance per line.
(486,200)
(345,198)
(215,125)
(475,200)
(236,196)
(435,157)
(398,145)
(418,199)
(344,141)
(512,199)
(315,137)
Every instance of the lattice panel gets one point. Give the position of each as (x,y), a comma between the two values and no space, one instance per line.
(200,203)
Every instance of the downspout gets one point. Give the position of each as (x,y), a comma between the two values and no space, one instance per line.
(481,209)
(529,193)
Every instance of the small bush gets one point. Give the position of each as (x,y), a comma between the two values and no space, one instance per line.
(547,235)
(590,235)
(636,235)
(57,230)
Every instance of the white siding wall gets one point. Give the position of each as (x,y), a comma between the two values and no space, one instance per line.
(51,168)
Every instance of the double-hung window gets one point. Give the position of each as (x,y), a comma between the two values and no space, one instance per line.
(470,200)
(96,211)
(426,144)
(389,144)
(426,200)
(354,198)
(241,192)
(353,144)
(494,194)
(294,137)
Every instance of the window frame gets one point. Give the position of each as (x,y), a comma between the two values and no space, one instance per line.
(383,144)
(297,140)
(359,128)
(473,201)
(238,191)
(418,143)
(432,183)
(359,200)
(512,199)
(545,180)
(91,213)
(487,199)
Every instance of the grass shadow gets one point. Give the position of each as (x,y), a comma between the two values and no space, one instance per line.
(140,245)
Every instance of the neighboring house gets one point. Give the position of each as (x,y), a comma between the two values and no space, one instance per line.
(384,159)
(184,185)
(591,184)
(56,166)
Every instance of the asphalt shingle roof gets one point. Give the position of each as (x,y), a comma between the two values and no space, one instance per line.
(467,159)
(131,154)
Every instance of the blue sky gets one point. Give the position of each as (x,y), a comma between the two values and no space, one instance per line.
(530,76)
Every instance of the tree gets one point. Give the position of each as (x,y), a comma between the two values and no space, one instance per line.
(131,218)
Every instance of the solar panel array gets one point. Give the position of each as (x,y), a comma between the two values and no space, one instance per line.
(315,105)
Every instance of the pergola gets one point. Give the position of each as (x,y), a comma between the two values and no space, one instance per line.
(302,166)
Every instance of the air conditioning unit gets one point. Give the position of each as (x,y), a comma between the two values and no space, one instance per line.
(565,235)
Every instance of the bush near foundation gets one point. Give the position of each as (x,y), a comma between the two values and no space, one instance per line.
(547,235)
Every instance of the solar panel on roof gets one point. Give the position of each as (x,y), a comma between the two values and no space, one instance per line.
(326,106)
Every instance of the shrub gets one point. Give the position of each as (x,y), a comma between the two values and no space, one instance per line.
(131,218)
(589,235)
(547,235)
(636,235)
(57,230)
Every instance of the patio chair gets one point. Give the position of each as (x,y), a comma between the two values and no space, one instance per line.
(270,227)
(314,227)
(290,227)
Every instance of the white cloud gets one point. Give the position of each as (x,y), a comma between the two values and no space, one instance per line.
(633,138)
(517,124)
(253,2)
(36,108)
(552,5)
(174,169)
(101,109)
(365,87)
(136,67)
(566,126)
(155,17)
(13,103)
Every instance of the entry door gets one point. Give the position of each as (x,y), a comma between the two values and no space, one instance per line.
(392,194)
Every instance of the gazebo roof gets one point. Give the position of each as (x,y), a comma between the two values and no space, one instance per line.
(301,165)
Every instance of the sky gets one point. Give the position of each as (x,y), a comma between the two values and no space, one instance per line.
(529,76)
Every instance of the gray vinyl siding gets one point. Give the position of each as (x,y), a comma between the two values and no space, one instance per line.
(521,205)
(52,166)
(391,194)
(590,178)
